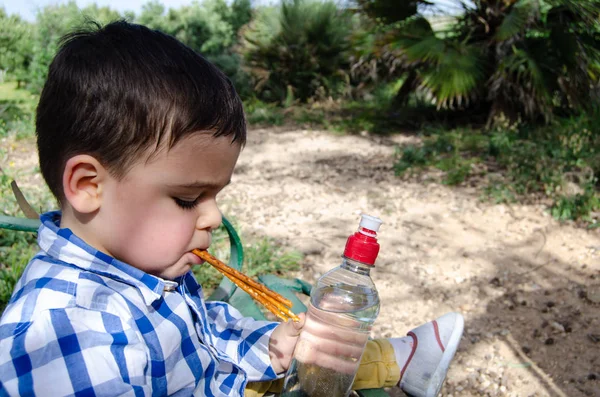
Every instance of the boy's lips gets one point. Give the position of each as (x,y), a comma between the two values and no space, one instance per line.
(193,259)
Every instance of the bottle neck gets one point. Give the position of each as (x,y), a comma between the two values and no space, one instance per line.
(356,266)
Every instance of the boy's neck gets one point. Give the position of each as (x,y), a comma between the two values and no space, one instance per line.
(82,225)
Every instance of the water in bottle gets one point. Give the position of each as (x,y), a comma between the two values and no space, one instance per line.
(343,306)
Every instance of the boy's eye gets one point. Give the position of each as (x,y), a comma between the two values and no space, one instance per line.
(186,204)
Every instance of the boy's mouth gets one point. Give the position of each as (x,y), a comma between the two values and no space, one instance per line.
(193,259)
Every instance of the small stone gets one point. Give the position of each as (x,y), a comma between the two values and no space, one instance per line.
(549,341)
(592,376)
(594,337)
(593,295)
(557,326)
(309,247)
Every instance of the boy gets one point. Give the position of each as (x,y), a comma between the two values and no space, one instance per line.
(137,134)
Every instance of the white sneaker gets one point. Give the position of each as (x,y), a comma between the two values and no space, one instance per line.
(433,347)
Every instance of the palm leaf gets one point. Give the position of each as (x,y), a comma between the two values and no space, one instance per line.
(518,18)
(523,82)
(453,78)
(449,70)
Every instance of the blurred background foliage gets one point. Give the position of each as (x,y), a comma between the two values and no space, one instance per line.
(500,91)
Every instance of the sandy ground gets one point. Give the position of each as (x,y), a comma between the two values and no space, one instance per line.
(528,287)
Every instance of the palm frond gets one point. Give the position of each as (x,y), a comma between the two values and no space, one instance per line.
(454,75)
(519,16)
(586,11)
(521,81)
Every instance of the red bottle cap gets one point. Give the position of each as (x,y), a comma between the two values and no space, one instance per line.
(362,246)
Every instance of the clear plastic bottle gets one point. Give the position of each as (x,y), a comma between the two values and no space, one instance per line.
(343,306)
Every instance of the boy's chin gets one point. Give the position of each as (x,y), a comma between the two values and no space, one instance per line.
(181,267)
(174,271)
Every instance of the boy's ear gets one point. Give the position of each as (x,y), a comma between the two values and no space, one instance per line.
(83,180)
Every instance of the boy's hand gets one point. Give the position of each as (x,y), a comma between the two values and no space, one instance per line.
(282,343)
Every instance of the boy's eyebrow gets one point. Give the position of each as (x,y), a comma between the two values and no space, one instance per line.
(201,185)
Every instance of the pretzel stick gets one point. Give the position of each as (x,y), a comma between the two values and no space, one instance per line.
(273,301)
(264,301)
(224,268)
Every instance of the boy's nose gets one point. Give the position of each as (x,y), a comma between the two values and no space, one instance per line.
(210,217)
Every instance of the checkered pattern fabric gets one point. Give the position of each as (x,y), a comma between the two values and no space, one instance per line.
(83,323)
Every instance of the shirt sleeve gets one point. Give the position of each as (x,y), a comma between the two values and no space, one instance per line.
(73,351)
(243,339)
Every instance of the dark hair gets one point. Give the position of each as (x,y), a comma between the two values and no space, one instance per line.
(116,91)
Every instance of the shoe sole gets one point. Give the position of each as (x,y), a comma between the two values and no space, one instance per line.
(438,377)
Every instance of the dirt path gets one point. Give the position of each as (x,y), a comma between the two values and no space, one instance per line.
(528,287)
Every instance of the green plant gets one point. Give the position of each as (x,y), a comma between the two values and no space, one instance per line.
(16,249)
(457,169)
(17,108)
(499,192)
(579,206)
(258,112)
(410,156)
(309,117)
(519,160)
(265,256)
(533,58)
(300,44)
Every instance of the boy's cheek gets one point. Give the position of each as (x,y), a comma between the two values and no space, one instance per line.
(153,244)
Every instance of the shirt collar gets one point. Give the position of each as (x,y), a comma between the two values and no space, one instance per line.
(63,245)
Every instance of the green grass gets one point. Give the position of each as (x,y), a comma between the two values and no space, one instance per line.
(342,117)
(517,162)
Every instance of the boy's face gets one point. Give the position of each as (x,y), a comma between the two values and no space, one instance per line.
(164,208)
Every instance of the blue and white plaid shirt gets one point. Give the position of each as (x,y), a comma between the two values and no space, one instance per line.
(83,323)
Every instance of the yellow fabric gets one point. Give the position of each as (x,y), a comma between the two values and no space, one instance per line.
(378,368)
(258,389)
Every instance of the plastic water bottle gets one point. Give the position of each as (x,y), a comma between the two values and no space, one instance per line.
(343,306)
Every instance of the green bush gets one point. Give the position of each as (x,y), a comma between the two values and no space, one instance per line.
(301,44)
(577,207)
(16,249)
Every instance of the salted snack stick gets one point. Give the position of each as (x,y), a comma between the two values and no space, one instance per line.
(221,266)
(273,301)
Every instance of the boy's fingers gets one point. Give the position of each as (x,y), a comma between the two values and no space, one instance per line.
(293,328)
(299,324)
